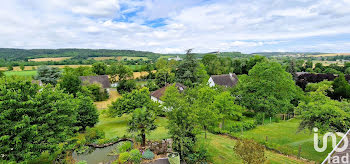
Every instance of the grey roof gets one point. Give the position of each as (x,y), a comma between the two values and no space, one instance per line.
(102,79)
(160,92)
(300,73)
(228,80)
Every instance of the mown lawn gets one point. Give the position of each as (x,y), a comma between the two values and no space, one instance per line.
(221,150)
(20,73)
(284,137)
(118,127)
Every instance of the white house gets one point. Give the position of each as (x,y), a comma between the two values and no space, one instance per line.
(227,80)
(176,59)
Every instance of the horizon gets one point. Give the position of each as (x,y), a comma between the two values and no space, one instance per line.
(168,27)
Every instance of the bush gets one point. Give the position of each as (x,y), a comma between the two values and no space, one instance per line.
(174,158)
(98,93)
(125,146)
(126,86)
(124,157)
(201,154)
(250,151)
(245,125)
(260,117)
(135,156)
(93,134)
(148,154)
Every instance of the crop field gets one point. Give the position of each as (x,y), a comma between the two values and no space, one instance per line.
(49,59)
(20,73)
(26,68)
(106,58)
(327,63)
(335,54)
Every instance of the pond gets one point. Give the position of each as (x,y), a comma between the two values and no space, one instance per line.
(97,155)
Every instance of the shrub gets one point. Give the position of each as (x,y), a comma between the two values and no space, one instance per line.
(135,156)
(242,125)
(124,157)
(148,154)
(125,146)
(201,154)
(250,151)
(260,117)
(174,158)
(93,134)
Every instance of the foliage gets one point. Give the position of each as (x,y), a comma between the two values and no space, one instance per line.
(186,72)
(70,83)
(267,88)
(125,147)
(97,92)
(124,157)
(87,112)
(341,87)
(10,68)
(304,79)
(312,87)
(182,121)
(131,101)
(135,156)
(152,85)
(30,117)
(119,70)
(99,68)
(21,67)
(325,114)
(201,154)
(174,158)
(244,125)
(227,108)
(2,74)
(142,122)
(48,75)
(82,162)
(250,151)
(148,154)
(126,85)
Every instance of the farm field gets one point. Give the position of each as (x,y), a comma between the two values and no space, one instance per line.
(332,54)
(20,73)
(17,68)
(327,63)
(106,58)
(49,59)
(134,58)
(283,136)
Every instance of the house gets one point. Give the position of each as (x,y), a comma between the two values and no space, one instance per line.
(100,79)
(156,95)
(227,80)
(176,59)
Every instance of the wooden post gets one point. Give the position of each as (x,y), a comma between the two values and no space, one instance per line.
(242,131)
(263,121)
(299,151)
(267,138)
(270,120)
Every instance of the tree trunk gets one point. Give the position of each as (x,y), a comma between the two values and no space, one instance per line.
(143,138)
(205,132)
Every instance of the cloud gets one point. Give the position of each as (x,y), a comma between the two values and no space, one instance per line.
(171,27)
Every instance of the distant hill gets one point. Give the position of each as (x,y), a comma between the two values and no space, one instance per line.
(292,54)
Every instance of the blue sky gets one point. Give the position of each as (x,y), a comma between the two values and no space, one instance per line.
(171,26)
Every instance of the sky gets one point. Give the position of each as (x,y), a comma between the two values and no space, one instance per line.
(172,26)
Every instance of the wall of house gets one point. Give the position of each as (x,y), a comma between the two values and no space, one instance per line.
(211,82)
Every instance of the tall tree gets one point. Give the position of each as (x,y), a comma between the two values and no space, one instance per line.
(341,87)
(33,120)
(142,121)
(87,112)
(48,75)
(70,83)
(186,72)
(99,68)
(267,88)
(224,102)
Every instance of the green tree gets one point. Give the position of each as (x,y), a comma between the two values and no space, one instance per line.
(10,68)
(33,120)
(227,108)
(183,122)
(120,71)
(2,74)
(131,101)
(99,68)
(347,71)
(87,112)
(323,113)
(267,88)
(21,67)
(308,64)
(186,72)
(48,75)
(341,87)
(70,83)
(142,122)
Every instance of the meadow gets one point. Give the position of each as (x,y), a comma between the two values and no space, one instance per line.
(20,73)
(284,137)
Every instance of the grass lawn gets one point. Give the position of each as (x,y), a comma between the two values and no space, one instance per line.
(221,150)
(118,127)
(20,73)
(283,136)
